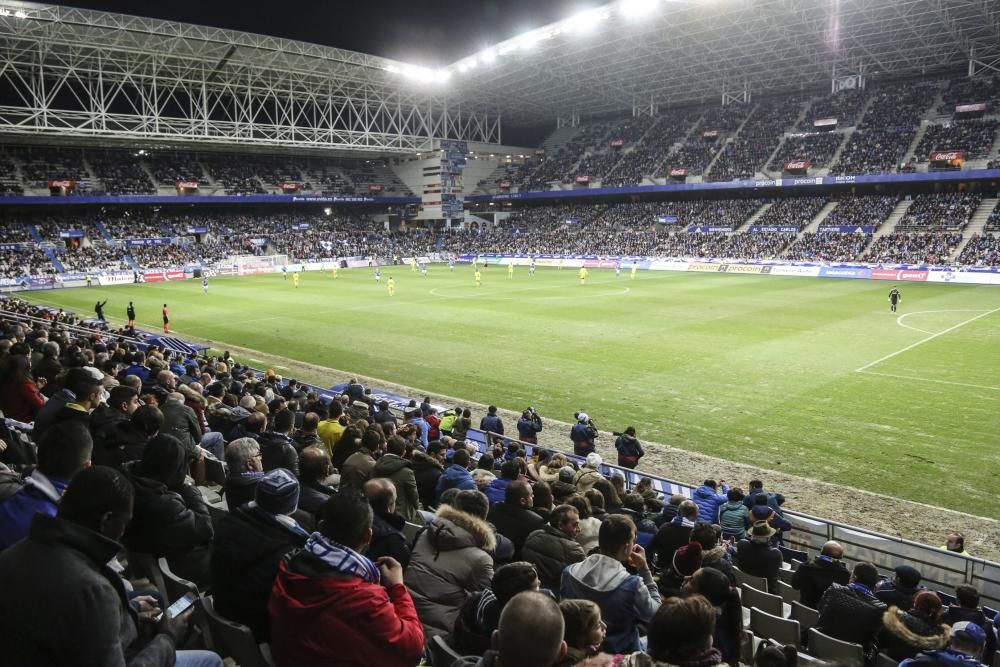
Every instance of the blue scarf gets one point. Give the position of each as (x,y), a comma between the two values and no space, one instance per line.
(860,588)
(342,559)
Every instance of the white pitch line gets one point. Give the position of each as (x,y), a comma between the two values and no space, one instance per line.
(925,340)
(899,320)
(925,379)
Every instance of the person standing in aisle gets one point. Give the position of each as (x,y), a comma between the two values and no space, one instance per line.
(166,320)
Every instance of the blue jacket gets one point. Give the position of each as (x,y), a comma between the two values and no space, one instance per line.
(528,428)
(496,490)
(455,477)
(709,501)
(946,657)
(39,494)
(774,500)
(625,599)
(492,424)
(424,427)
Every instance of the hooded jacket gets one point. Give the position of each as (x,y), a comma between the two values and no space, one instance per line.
(515,523)
(278,451)
(426,471)
(400,471)
(550,551)
(625,599)
(181,422)
(709,501)
(946,657)
(455,477)
(904,635)
(813,578)
(585,479)
(734,517)
(320,617)
(451,559)
(39,494)
(850,615)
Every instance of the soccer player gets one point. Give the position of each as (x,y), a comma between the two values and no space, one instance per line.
(635,267)
(560,264)
(894,298)
(284,271)
(204,284)
(89,282)
(99,309)
(531,267)
(510,270)
(130,313)
(486,265)
(618,269)
(378,275)
(413,264)
(423,269)
(479,277)
(583,275)
(295,279)
(335,270)
(451,264)
(166,320)
(391,284)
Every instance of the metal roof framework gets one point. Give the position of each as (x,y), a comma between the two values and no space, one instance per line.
(75,73)
(680,52)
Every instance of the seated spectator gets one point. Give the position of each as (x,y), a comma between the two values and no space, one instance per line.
(625,599)
(672,536)
(60,573)
(63,452)
(734,516)
(955,543)
(249,543)
(714,554)
(721,594)
(514,518)
(245,469)
(966,608)
(906,633)
(456,476)
(756,556)
(529,634)
(585,630)
(814,577)
(852,613)
(427,469)
(122,402)
(80,394)
(124,441)
(19,395)
(551,548)
(480,614)
(589,524)
(314,469)
(686,561)
(387,526)
(331,605)
(451,560)
(965,649)
(357,469)
(589,473)
(307,435)
(170,518)
(670,509)
(496,490)
(899,591)
(277,450)
(679,634)
(399,471)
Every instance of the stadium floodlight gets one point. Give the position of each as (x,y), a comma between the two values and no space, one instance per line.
(489,55)
(636,8)
(21,14)
(587,20)
(392,69)
(442,76)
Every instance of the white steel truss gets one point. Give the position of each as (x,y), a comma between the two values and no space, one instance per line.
(78,73)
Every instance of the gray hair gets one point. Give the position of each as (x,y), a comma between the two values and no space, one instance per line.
(51,347)
(238,452)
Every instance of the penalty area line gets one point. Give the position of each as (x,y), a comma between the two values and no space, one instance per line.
(925,340)
(934,380)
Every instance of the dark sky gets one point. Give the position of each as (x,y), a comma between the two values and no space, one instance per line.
(422,32)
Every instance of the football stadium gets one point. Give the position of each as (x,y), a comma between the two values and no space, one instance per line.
(348,349)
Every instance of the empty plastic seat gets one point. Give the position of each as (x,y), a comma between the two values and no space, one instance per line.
(787,593)
(826,647)
(760,583)
(782,630)
(752,597)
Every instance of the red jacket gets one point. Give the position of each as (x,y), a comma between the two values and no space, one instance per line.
(321,618)
(21,401)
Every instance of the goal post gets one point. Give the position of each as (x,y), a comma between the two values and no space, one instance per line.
(249,265)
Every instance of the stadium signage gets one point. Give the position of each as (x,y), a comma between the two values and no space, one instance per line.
(704,229)
(163,276)
(72,234)
(970,108)
(844,272)
(505,184)
(142,242)
(11,282)
(197,230)
(677,172)
(947,156)
(780,229)
(66,183)
(744,268)
(799,165)
(10,246)
(710,134)
(825,122)
(703,267)
(187,185)
(290,186)
(616,143)
(899,274)
(375,187)
(667,219)
(847,229)
(583,178)
(539,151)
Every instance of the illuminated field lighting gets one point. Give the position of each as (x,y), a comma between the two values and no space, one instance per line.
(392,69)
(442,75)
(587,20)
(634,8)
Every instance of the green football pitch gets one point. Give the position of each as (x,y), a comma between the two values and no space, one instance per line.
(815,374)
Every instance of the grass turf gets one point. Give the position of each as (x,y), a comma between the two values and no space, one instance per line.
(762,370)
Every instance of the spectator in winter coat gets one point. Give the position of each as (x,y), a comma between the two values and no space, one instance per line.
(249,543)
(900,590)
(589,473)
(756,556)
(456,476)
(714,554)
(414,417)
(63,452)
(852,613)
(480,614)
(709,499)
(307,436)
(496,490)
(243,459)
(625,599)
(332,605)
(965,649)
(277,449)
(427,469)
(399,471)
(671,536)
(19,395)
(387,525)
(357,469)
(966,608)
(551,548)
(529,426)
(529,634)
(491,422)
(181,422)
(314,469)
(514,518)
(774,500)
(451,560)
(814,577)
(460,429)
(583,434)
(590,525)
(906,633)
(629,449)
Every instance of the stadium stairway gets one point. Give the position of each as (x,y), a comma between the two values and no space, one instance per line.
(976,224)
(35,236)
(890,223)
(819,218)
(105,234)
(753,218)
(51,254)
(708,168)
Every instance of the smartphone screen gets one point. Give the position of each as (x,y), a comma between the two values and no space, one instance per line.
(179,607)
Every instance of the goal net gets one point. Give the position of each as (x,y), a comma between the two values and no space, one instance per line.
(248,265)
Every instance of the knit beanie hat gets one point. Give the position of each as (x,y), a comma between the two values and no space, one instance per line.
(277,492)
(594,460)
(687,559)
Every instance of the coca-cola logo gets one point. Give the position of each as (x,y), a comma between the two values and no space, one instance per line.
(947,155)
(797,164)
(677,171)
(187,185)
(62,183)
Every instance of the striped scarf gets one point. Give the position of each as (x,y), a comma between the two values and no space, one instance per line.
(342,559)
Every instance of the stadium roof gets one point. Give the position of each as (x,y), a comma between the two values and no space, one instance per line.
(123,76)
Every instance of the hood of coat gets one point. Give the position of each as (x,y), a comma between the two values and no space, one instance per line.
(420,459)
(452,529)
(600,572)
(916,631)
(390,464)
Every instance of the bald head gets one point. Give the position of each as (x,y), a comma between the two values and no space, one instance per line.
(518,493)
(256,422)
(166,379)
(833,550)
(381,494)
(314,464)
(530,633)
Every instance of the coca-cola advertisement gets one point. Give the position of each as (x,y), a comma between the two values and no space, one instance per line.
(505,185)
(677,172)
(290,187)
(187,187)
(710,134)
(61,186)
(800,165)
(947,156)
(825,123)
(539,151)
(375,187)
(583,178)
(970,108)
(616,143)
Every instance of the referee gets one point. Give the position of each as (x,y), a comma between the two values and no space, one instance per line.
(894,298)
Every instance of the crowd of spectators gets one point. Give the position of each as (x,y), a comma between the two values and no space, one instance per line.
(940,212)
(119,172)
(792,212)
(161,256)
(233,173)
(10,181)
(92,258)
(844,105)
(169,168)
(911,248)
(818,148)
(971,90)
(748,152)
(135,224)
(828,247)
(861,211)
(973,137)
(693,155)
(16,231)
(981,250)
(40,164)
(993,222)
(650,157)
(27,261)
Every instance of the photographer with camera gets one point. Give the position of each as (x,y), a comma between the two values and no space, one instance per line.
(583,434)
(529,426)
(629,449)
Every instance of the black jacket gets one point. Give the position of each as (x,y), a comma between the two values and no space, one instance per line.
(249,544)
(240,489)
(312,495)
(120,443)
(668,539)
(278,451)
(302,439)
(850,615)
(181,422)
(426,470)
(813,578)
(905,635)
(514,523)
(759,560)
(62,605)
(894,595)
(388,538)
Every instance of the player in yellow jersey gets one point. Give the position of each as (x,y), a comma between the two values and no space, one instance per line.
(560,264)
(413,264)
(295,279)
(479,277)
(510,270)
(635,267)
(583,275)
(335,270)
(391,284)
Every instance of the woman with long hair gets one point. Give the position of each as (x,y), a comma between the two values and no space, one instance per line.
(19,395)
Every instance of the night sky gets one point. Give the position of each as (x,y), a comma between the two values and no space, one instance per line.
(422,32)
